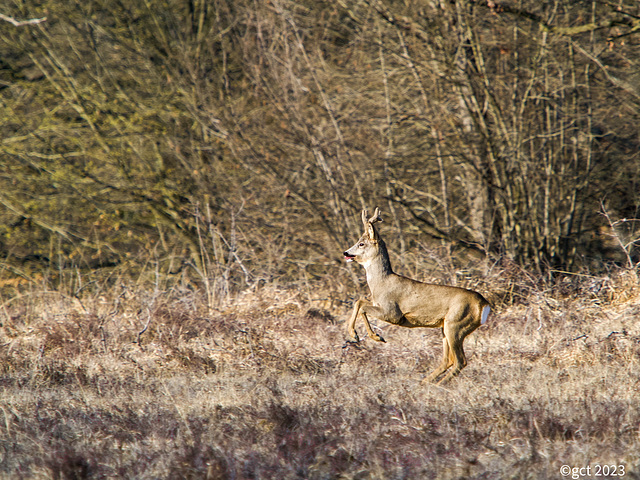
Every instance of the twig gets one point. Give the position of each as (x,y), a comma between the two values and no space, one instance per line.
(18,23)
(613,334)
(141,332)
(625,248)
(104,338)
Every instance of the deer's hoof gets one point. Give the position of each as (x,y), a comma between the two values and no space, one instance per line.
(353,338)
(378,338)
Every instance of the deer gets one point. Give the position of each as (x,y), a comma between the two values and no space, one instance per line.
(405,302)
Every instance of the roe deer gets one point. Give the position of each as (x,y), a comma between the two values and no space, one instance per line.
(409,303)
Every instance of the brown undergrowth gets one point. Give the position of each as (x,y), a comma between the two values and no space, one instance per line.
(132,384)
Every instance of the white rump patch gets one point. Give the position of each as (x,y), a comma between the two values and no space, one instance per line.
(485,314)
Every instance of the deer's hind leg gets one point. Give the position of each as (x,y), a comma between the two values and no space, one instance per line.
(457,359)
(455,333)
(447,361)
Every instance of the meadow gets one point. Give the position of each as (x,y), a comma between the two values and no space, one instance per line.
(132,381)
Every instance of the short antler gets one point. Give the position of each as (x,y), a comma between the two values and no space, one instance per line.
(376,216)
(370,221)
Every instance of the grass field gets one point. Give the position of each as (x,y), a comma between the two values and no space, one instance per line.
(137,383)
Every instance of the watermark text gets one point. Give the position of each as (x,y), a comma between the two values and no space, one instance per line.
(592,471)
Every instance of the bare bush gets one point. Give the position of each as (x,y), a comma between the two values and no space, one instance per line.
(268,389)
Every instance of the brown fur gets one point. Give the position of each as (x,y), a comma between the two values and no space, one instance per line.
(409,303)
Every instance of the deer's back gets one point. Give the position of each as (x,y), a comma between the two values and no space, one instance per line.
(427,304)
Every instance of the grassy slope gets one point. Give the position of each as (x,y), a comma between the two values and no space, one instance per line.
(267,389)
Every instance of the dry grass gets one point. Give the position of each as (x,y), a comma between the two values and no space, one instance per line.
(266,389)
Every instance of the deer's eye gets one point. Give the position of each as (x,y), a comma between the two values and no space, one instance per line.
(361,244)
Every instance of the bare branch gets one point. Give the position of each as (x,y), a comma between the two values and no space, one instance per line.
(19,23)
(565,31)
(616,235)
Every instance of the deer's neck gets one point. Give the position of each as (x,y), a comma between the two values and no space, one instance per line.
(379,267)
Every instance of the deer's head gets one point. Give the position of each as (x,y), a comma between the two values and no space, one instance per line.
(368,246)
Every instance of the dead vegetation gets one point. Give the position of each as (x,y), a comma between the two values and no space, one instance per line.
(145,386)
(177,180)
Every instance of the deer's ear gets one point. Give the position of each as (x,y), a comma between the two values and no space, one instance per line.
(371,232)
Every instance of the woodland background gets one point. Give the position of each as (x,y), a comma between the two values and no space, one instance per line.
(235,142)
(178,179)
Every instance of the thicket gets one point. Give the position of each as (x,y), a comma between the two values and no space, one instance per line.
(232,143)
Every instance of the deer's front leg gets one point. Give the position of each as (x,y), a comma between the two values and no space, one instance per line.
(352,335)
(370,331)
(387,312)
(376,311)
(358,309)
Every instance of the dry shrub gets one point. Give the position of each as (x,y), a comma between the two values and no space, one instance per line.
(267,388)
